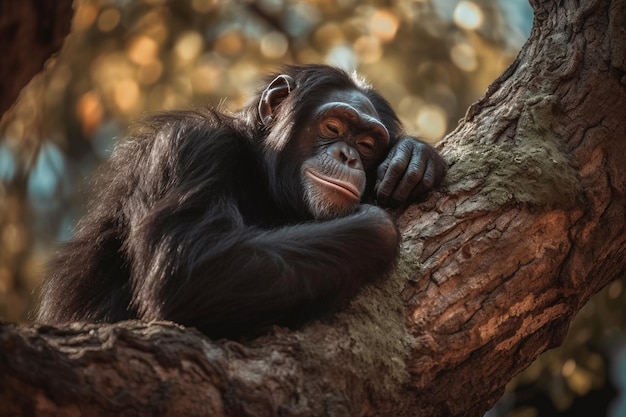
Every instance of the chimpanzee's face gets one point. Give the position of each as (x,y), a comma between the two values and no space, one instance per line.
(346,138)
(322,150)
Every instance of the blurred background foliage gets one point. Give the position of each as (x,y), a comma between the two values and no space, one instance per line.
(430,59)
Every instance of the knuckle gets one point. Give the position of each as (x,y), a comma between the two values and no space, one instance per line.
(428,181)
(406,144)
(414,176)
(383,193)
(395,171)
(408,141)
(382,168)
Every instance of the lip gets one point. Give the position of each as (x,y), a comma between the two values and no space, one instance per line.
(343,187)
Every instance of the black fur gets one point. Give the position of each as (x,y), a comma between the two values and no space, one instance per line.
(199,218)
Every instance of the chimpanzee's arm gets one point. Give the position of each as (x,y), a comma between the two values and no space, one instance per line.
(235,281)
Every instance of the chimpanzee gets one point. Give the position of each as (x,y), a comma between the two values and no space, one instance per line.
(232,223)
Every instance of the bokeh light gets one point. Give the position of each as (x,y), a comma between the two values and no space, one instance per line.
(89,111)
(274,45)
(109,19)
(431,122)
(229,44)
(126,95)
(384,25)
(85,16)
(368,49)
(150,73)
(463,55)
(142,50)
(188,47)
(468,15)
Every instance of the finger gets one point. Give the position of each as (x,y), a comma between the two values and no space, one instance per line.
(394,173)
(441,167)
(427,182)
(382,170)
(412,179)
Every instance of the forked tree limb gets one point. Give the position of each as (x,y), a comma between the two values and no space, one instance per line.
(530,223)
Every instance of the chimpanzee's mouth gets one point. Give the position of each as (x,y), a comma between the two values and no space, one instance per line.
(343,187)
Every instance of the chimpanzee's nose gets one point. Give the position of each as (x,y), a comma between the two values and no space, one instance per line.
(346,154)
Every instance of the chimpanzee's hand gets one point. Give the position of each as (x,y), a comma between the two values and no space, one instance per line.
(410,169)
(382,225)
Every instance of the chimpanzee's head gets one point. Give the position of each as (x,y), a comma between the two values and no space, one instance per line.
(325,133)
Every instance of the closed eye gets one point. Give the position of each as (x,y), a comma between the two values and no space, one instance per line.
(332,127)
(366,146)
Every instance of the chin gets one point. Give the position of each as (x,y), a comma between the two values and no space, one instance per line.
(329,204)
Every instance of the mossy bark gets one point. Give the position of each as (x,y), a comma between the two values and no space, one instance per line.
(529,224)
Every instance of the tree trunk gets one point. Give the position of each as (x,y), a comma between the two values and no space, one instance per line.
(530,224)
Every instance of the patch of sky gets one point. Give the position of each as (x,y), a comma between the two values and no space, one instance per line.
(45,177)
(7,163)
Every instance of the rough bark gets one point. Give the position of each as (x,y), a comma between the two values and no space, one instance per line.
(530,224)
(30,31)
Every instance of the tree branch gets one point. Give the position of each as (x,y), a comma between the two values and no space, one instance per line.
(30,31)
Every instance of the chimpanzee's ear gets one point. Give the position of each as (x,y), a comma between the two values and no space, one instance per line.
(273,95)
